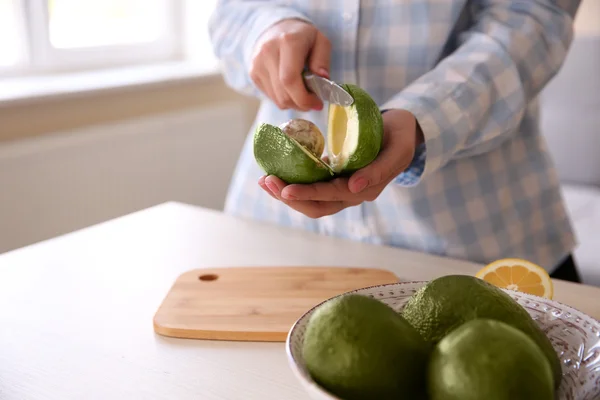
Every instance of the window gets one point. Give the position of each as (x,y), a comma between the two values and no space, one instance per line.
(11,34)
(46,36)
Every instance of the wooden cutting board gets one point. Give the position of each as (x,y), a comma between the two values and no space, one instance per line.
(253,303)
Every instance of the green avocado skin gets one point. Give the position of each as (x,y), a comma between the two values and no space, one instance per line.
(456,299)
(486,359)
(370,129)
(279,155)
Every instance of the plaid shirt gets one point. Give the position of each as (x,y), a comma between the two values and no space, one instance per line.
(483,186)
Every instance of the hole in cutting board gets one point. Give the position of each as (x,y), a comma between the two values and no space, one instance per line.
(208,277)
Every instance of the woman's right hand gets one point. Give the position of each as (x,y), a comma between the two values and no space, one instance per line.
(280,56)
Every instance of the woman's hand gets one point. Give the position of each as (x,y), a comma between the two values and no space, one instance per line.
(400,138)
(281,54)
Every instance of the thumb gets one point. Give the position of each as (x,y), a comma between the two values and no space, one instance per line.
(371,175)
(320,55)
(393,158)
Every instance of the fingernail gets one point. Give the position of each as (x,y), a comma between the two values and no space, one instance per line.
(286,195)
(272,187)
(323,72)
(361,184)
(318,107)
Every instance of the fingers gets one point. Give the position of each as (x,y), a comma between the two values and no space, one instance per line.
(282,98)
(279,59)
(312,209)
(275,186)
(318,209)
(260,77)
(336,190)
(262,183)
(265,74)
(320,56)
(290,74)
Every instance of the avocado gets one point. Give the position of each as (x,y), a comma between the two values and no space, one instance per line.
(293,150)
(359,348)
(491,360)
(446,303)
(279,154)
(355,132)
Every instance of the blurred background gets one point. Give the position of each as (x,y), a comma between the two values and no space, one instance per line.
(111,106)
(108,107)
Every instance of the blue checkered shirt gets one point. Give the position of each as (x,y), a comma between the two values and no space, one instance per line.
(483,185)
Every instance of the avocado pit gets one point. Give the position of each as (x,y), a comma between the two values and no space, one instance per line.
(305,133)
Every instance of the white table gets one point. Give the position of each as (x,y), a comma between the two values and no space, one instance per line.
(76,311)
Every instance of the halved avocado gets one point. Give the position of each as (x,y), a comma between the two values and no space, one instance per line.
(354,139)
(283,156)
(354,133)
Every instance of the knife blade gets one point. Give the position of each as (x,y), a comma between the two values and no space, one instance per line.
(327,90)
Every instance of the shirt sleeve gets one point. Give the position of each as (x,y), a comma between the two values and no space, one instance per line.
(234,28)
(476,97)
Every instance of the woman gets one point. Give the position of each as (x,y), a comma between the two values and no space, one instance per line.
(464,171)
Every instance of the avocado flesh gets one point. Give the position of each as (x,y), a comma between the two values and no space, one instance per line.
(354,132)
(342,135)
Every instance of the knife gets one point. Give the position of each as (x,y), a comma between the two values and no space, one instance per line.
(326,89)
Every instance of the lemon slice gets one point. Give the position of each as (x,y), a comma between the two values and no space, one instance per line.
(520,275)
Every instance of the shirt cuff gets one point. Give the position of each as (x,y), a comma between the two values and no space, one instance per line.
(412,175)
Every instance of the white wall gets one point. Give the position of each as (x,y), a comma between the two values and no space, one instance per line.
(587,21)
(570,103)
(570,118)
(69,180)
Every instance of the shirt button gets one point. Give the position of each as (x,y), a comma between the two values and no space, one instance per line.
(347,16)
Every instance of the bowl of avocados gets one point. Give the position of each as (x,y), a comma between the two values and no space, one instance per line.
(454,337)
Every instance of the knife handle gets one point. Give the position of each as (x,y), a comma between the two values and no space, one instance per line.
(307,77)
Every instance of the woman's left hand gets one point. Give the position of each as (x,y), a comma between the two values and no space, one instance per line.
(401,136)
